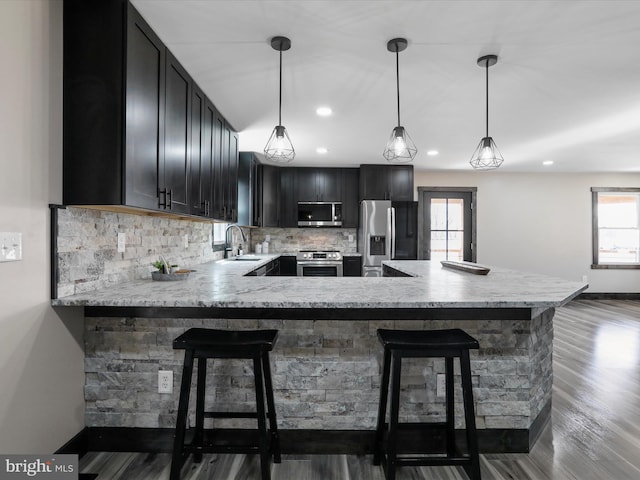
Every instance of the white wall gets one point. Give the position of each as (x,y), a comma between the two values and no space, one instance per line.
(41,353)
(540,222)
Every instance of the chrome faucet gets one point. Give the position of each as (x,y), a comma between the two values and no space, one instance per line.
(228,240)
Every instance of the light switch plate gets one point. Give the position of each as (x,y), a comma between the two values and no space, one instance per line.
(185,240)
(121,242)
(10,246)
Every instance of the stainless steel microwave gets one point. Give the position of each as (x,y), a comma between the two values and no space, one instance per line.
(319,214)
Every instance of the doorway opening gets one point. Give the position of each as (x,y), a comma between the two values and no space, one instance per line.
(447,223)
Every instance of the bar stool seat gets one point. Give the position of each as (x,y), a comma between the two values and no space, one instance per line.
(204,344)
(448,344)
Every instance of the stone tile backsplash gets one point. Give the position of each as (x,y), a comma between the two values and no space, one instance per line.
(87,247)
(283,240)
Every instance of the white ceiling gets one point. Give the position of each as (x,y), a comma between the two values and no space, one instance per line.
(566,86)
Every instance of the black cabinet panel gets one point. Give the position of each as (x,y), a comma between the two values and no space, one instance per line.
(137,130)
(352,266)
(288,201)
(267,193)
(401,183)
(174,176)
(406,247)
(374,182)
(349,196)
(99,114)
(386,182)
(144,112)
(288,266)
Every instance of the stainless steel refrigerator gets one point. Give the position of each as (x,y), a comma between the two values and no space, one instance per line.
(384,235)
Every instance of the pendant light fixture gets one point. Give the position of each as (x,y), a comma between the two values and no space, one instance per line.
(400,148)
(279,147)
(487,156)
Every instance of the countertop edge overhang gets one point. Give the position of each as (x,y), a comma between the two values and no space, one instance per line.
(220,289)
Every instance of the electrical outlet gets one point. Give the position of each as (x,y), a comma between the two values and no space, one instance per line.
(10,246)
(584,278)
(185,241)
(440,385)
(165,381)
(351,238)
(121,242)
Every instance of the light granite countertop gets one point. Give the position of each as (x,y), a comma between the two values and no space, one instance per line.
(222,284)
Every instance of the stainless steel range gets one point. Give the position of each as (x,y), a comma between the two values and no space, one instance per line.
(319,263)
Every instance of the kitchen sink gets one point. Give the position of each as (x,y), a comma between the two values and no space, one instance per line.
(246,258)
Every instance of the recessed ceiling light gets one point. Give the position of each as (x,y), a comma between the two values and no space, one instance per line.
(548,162)
(324,111)
(322,150)
(431,153)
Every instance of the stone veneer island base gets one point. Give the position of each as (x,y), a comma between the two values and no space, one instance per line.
(326,364)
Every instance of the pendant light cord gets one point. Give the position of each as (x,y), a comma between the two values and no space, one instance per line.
(280,93)
(487,95)
(398,83)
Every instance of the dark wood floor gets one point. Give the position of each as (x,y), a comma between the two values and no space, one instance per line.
(594,433)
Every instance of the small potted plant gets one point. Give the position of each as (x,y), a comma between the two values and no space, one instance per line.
(167,271)
(161,266)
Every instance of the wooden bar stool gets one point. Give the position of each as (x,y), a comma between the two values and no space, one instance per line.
(449,344)
(203,344)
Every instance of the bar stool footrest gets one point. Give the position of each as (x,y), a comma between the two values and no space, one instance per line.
(432,461)
(230,415)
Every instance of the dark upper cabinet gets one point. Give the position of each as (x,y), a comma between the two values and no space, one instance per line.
(248,189)
(349,196)
(265,188)
(137,130)
(318,184)
(228,167)
(386,182)
(401,183)
(269,196)
(225,186)
(203,115)
(174,172)
(108,45)
(288,214)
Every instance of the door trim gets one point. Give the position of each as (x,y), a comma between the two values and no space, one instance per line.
(453,190)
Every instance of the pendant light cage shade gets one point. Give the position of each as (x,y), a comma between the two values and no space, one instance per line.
(279,147)
(400,148)
(487,156)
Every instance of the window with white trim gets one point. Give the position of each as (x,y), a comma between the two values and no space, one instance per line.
(616,227)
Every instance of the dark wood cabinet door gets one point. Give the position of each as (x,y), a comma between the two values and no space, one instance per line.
(145,104)
(218,169)
(352,266)
(269,197)
(288,201)
(198,144)
(288,266)
(349,196)
(174,176)
(306,185)
(401,183)
(207,159)
(328,184)
(374,182)
(232,162)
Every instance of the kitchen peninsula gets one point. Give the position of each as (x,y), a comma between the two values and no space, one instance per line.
(326,362)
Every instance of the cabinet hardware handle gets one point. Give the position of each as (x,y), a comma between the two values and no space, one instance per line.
(162,191)
(170,194)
